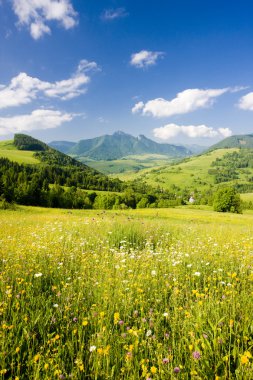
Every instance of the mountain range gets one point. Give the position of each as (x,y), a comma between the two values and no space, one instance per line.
(118,145)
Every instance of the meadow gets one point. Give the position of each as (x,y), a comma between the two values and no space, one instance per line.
(135,294)
(8,150)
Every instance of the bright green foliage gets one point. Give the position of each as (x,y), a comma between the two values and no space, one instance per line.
(227,200)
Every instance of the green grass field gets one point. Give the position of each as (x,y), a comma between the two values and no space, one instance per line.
(137,294)
(8,150)
(247,197)
(191,172)
(129,164)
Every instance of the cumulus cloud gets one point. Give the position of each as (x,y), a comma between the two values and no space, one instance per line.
(112,14)
(145,58)
(169,131)
(225,132)
(246,102)
(36,14)
(186,101)
(137,107)
(38,119)
(24,88)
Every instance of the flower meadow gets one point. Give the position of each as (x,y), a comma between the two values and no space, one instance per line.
(138,294)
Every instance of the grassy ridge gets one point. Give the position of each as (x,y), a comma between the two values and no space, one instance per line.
(153,294)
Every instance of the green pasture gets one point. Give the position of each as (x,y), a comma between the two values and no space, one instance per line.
(190,172)
(8,150)
(132,164)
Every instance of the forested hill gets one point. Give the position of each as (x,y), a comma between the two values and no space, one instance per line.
(46,154)
(236,141)
(32,183)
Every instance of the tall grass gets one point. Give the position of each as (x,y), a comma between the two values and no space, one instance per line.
(125,295)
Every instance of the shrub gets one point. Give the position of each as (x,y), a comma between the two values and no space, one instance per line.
(227,200)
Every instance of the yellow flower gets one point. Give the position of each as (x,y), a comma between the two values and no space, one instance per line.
(36,358)
(46,365)
(85,323)
(153,370)
(116,318)
(244,359)
(17,349)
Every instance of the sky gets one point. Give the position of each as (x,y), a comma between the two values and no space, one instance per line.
(178,72)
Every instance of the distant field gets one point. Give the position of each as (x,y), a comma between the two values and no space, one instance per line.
(130,295)
(132,164)
(247,197)
(191,172)
(7,145)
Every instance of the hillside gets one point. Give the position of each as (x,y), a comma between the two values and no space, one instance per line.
(118,145)
(236,141)
(34,158)
(221,166)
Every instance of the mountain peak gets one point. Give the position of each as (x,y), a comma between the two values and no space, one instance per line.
(121,144)
(120,133)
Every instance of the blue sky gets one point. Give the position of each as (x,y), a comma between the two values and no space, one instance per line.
(175,71)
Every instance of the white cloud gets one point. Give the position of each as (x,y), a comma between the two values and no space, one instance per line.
(23,88)
(137,107)
(37,13)
(112,14)
(246,102)
(186,101)
(145,58)
(192,131)
(38,119)
(225,132)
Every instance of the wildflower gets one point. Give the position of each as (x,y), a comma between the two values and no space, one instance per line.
(148,333)
(153,273)
(55,305)
(196,355)
(176,370)
(92,348)
(121,322)
(197,274)
(116,318)
(165,314)
(36,358)
(244,359)
(75,319)
(37,275)
(153,369)
(165,360)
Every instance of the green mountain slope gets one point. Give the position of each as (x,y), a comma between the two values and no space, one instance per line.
(118,145)
(221,166)
(236,141)
(35,157)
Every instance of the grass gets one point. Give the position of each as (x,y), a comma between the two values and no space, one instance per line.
(191,172)
(136,294)
(129,164)
(247,197)
(8,150)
